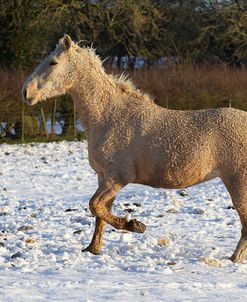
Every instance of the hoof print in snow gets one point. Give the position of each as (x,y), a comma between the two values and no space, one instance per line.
(164,241)
(211,261)
(22,208)
(172,211)
(17,255)
(137,204)
(71,210)
(171,263)
(128,210)
(2,244)
(25,228)
(198,211)
(230,207)
(44,160)
(183,193)
(111,231)
(77,232)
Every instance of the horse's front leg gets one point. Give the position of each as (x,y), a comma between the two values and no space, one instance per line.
(97,241)
(100,205)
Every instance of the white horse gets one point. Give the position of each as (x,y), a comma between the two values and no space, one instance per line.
(132,140)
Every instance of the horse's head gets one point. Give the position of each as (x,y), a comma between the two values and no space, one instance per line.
(53,77)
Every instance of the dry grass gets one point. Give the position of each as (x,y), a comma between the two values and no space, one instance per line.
(193,87)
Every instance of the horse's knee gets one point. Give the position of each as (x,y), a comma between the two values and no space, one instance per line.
(100,204)
(97,209)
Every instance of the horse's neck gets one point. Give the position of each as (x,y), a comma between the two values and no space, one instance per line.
(92,97)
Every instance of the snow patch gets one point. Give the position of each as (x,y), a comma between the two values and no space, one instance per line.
(45,222)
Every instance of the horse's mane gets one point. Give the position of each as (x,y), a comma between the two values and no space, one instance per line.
(122,81)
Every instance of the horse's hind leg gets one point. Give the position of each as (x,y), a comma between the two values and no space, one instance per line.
(241,249)
(97,240)
(237,189)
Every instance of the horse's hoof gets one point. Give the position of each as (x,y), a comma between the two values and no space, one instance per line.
(91,249)
(236,259)
(135,226)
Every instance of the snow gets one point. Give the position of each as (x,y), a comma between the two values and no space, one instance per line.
(45,222)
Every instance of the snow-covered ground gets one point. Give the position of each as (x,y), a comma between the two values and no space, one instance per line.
(45,221)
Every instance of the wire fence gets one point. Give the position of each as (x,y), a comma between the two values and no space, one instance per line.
(41,123)
(55,120)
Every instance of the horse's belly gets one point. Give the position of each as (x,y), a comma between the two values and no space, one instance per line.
(178,177)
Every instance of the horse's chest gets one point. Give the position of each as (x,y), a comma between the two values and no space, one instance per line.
(101,156)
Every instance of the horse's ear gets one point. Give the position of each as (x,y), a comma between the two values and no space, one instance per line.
(67,41)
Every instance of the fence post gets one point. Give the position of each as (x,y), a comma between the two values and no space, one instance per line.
(43,120)
(22,121)
(1,129)
(74,118)
(53,121)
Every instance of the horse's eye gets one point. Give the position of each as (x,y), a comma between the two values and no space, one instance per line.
(52,63)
